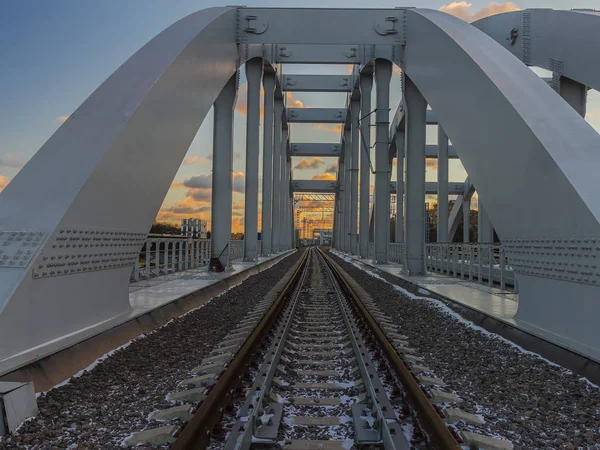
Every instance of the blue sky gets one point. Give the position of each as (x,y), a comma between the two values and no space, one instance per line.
(54,54)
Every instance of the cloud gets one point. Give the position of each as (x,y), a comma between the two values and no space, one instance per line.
(324,176)
(239,182)
(332,168)
(201,195)
(309,163)
(431,163)
(332,128)
(293,102)
(62,118)
(3,182)
(205,182)
(591,114)
(238,205)
(177,185)
(199,182)
(14,160)
(198,159)
(464,11)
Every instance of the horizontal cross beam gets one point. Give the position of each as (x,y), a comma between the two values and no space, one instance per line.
(317,83)
(316,115)
(322,149)
(313,186)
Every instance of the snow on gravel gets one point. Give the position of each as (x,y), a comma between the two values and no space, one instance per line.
(101,407)
(521,396)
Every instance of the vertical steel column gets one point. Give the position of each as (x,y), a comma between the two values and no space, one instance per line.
(283,187)
(466,221)
(354,117)
(348,184)
(253,74)
(366,84)
(341,201)
(222,173)
(485,231)
(575,94)
(267,186)
(383,75)
(276,215)
(416,109)
(289,238)
(399,185)
(442,182)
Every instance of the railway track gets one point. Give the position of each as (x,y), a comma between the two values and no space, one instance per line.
(317,371)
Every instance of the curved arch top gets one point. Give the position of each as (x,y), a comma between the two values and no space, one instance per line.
(567,42)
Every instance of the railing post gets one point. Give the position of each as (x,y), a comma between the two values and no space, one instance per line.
(491,259)
(454,258)
(147,261)
(479,268)
(187,254)
(180,260)
(470,262)
(173,244)
(502,267)
(136,270)
(166,258)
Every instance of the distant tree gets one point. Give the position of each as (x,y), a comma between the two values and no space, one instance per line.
(165,228)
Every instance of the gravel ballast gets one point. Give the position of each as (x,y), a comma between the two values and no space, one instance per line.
(522,397)
(105,405)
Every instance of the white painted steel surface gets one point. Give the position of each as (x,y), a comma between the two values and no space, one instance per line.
(366,85)
(222,171)
(564,41)
(108,194)
(267,178)
(254,71)
(383,74)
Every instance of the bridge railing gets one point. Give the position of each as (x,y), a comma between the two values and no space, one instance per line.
(162,256)
(371,250)
(484,263)
(236,250)
(396,252)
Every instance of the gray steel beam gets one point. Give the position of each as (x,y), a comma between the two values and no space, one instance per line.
(278,135)
(267,179)
(416,108)
(564,42)
(321,149)
(348,183)
(313,185)
(400,142)
(222,171)
(253,74)
(316,115)
(574,93)
(317,54)
(431,187)
(442,191)
(383,74)
(354,112)
(485,230)
(341,183)
(317,83)
(366,85)
(307,26)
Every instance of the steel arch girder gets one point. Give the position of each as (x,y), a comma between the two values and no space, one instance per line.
(549,156)
(159,97)
(105,170)
(567,42)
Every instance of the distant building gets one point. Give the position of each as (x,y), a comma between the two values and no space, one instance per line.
(194,228)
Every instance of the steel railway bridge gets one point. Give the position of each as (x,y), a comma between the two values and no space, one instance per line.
(73,221)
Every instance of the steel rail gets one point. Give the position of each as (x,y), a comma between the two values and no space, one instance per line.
(195,435)
(427,415)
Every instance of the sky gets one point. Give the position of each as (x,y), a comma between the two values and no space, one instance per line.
(54,54)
